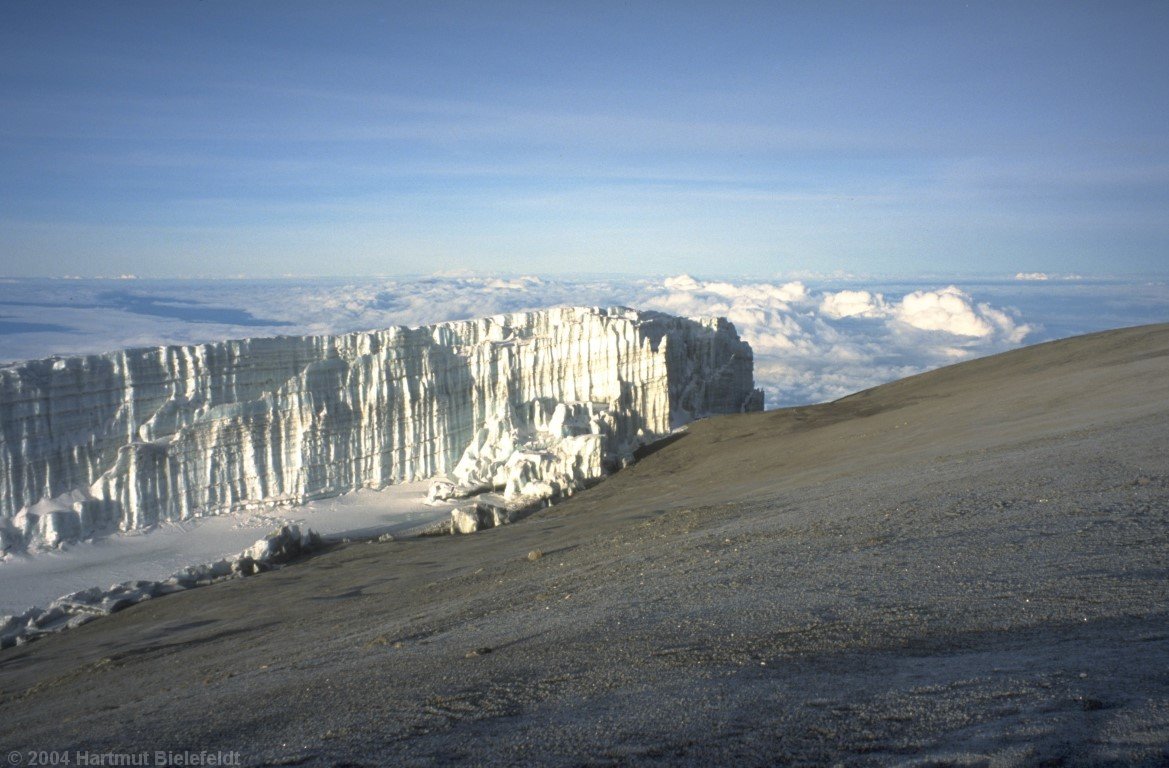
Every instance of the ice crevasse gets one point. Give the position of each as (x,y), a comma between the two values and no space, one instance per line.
(526,403)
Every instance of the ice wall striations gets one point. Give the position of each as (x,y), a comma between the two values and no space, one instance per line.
(167,433)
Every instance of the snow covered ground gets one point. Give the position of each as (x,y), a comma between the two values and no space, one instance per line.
(39,578)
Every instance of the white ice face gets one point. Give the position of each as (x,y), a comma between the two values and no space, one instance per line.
(522,401)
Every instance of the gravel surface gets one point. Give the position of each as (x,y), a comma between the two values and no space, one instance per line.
(968,567)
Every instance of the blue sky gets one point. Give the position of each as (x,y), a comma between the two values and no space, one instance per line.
(216,138)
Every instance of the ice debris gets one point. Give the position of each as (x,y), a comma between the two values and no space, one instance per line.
(83,606)
(553,450)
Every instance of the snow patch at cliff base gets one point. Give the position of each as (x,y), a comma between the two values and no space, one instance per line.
(39,576)
(85,605)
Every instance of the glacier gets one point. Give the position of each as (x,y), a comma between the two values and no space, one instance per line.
(532,403)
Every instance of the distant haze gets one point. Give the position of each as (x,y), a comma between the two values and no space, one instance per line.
(219,138)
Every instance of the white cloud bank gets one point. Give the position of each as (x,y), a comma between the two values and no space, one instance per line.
(852,304)
(813,346)
(810,345)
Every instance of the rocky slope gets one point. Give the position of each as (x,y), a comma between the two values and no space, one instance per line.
(962,568)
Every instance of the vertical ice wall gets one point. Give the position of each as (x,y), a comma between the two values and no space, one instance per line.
(170,432)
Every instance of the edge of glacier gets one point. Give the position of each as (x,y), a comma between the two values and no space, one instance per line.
(139,436)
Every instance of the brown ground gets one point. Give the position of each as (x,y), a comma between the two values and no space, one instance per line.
(966,567)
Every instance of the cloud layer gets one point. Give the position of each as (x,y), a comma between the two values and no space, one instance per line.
(810,344)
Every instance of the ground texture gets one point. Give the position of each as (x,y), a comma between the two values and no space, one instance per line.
(965,567)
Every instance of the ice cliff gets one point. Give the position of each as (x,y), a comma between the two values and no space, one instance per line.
(523,402)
